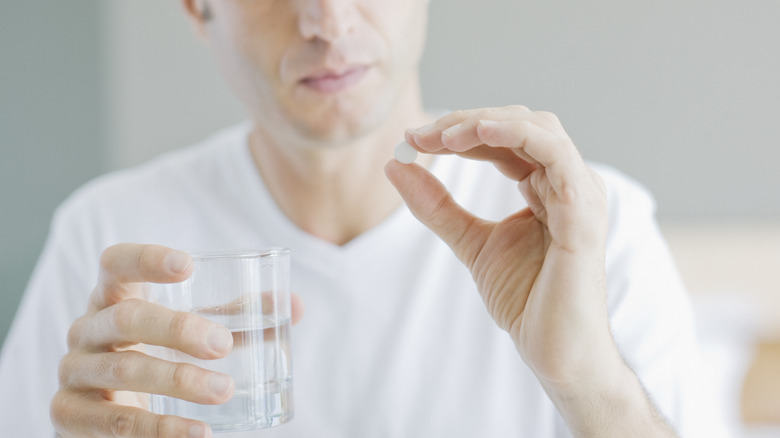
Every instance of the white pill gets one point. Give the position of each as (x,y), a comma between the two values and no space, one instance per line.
(405,153)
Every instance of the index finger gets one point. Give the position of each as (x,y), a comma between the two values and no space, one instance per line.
(456,131)
(124,268)
(80,415)
(563,165)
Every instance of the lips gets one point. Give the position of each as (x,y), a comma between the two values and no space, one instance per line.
(331,81)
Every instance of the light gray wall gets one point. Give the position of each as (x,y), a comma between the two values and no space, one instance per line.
(162,89)
(683,95)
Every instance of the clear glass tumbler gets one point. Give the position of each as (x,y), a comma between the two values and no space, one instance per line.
(249,293)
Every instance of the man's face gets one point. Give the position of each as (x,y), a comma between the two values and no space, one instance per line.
(328,70)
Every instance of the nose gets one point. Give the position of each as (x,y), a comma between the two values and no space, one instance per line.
(327,20)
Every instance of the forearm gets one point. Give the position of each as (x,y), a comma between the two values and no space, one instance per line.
(616,405)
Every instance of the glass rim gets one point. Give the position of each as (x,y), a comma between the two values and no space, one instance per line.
(272,252)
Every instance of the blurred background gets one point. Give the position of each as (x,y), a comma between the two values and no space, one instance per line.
(683,95)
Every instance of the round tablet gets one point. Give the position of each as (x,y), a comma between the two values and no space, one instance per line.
(405,153)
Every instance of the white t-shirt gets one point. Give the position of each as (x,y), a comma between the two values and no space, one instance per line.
(396,341)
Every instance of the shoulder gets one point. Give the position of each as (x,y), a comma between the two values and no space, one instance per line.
(624,193)
(129,197)
(192,166)
(632,211)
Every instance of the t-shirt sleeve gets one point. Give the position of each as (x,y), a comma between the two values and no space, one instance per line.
(56,295)
(650,311)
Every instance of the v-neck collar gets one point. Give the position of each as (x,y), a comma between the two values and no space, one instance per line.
(281,231)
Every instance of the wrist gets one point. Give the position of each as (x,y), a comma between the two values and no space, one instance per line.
(610,404)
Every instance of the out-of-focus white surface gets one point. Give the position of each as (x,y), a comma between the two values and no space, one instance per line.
(737,260)
(731,271)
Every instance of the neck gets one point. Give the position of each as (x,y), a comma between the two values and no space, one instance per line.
(335,192)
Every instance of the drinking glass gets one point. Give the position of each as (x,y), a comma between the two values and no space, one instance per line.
(248,293)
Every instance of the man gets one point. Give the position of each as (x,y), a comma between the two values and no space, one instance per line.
(396,340)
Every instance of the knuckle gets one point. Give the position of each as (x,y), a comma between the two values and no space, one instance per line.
(128,261)
(149,258)
(183,376)
(75,333)
(519,108)
(120,368)
(455,117)
(64,371)
(122,422)
(125,315)
(167,425)
(108,258)
(490,113)
(181,325)
(548,116)
(59,409)
(114,258)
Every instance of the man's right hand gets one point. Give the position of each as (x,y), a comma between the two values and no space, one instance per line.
(105,378)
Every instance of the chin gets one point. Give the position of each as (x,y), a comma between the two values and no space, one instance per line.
(341,121)
(336,130)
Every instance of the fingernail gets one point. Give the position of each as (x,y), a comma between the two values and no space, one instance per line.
(422,130)
(220,384)
(488,122)
(197,431)
(177,262)
(220,339)
(451,130)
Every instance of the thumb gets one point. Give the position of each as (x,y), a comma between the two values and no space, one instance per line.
(431,203)
(125,267)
